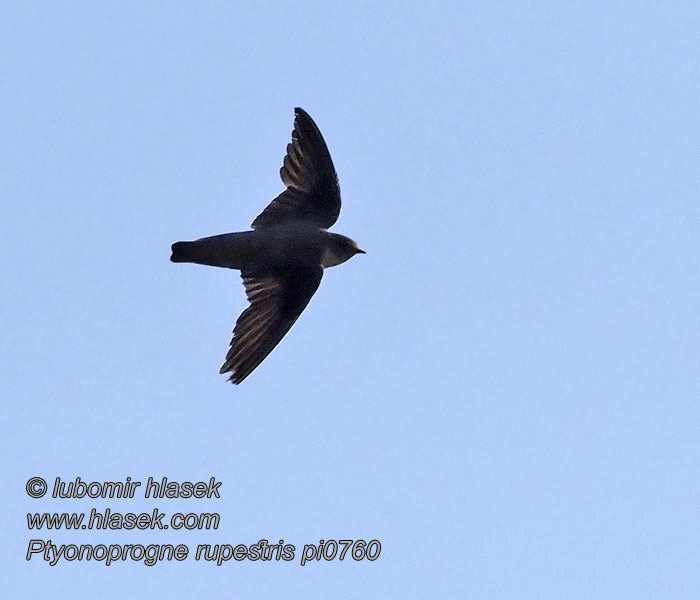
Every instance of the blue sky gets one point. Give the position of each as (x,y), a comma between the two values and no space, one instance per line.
(503,391)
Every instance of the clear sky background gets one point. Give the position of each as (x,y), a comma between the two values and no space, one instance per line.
(504,391)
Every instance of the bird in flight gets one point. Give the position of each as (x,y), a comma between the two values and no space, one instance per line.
(282,258)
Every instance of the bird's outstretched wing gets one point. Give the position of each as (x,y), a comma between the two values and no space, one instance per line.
(276,301)
(312,192)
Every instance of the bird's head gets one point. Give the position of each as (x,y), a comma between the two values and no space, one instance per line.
(339,249)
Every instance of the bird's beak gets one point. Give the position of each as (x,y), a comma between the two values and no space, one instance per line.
(358,251)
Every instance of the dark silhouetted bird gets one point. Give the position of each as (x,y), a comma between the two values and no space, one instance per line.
(282,259)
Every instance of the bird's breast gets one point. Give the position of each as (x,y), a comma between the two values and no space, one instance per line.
(330,258)
(291,244)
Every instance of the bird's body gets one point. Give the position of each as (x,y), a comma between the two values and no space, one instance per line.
(282,258)
(274,248)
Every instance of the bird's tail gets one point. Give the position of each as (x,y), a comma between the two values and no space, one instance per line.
(184,252)
(230,250)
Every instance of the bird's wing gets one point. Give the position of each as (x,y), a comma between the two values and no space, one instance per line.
(312,190)
(276,301)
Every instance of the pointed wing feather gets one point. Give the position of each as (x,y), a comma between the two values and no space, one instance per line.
(312,190)
(276,301)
